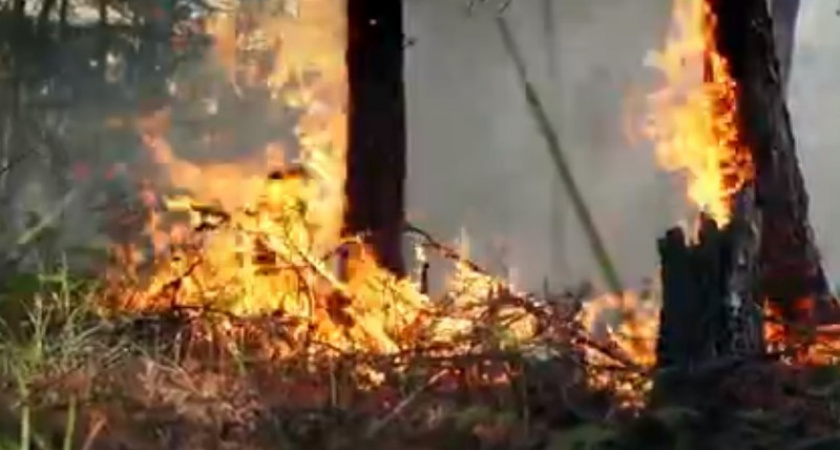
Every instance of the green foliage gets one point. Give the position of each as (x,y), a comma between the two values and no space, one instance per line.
(47,331)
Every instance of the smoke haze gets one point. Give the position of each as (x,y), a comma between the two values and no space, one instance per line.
(476,159)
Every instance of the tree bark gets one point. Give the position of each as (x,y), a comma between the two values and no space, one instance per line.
(712,290)
(376,160)
(711,307)
(790,266)
(710,313)
(785,14)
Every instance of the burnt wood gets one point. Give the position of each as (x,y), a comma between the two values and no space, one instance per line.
(710,308)
(376,161)
(790,264)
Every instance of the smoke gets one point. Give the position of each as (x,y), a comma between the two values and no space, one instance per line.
(813,93)
(476,159)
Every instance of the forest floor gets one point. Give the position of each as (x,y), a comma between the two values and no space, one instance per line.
(73,379)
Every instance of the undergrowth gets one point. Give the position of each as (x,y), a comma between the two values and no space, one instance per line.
(73,379)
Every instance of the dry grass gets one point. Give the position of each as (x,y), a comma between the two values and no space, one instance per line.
(74,380)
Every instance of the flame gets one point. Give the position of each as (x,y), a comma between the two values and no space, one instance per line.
(628,324)
(801,342)
(692,119)
(262,235)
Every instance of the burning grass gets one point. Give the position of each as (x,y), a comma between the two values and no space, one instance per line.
(193,378)
(240,317)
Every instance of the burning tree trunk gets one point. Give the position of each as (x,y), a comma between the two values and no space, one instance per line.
(713,289)
(377,130)
(790,267)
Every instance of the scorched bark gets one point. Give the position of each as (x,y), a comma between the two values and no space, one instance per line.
(790,264)
(377,131)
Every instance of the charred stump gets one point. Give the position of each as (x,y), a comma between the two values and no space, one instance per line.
(711,316)
(376,161)
(713,288)
(790,265)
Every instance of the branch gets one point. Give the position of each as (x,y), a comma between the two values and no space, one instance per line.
(596,242)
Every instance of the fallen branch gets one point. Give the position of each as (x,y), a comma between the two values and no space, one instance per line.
(596,242)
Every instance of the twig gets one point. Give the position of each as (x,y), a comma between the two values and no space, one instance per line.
(380,424)
(446,251)
(97,427)
(11,164)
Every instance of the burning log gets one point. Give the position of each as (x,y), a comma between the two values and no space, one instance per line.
(790,264)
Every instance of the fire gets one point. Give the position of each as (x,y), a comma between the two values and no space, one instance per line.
(262,236)
(628,325)
(692,120)
(801,342)
(692,123)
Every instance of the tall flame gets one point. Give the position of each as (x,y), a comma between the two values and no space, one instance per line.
(692,120)
(260,235)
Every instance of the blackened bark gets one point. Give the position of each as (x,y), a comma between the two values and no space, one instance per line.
(376,160)
(784,14)
(790,264)
(711,313)
(710,305)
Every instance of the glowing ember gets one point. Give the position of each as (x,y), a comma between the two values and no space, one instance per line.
(800,343)
(628,325)
(692,121)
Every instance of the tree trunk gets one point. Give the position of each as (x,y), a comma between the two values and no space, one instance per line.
(44,14)
(711,317)
(376,160)
(712,290)
(784,13)
(63,12)
(790,266)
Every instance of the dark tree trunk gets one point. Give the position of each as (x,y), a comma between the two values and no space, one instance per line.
(785,14)
(711,318)
(790,266)
(63,11)
(712,290)
(44,16)
(376,160)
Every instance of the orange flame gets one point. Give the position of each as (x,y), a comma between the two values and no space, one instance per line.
(801,342)
(259,236)
(692,120)
(629,325)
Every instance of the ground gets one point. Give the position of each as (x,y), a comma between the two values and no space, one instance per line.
(75,378)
